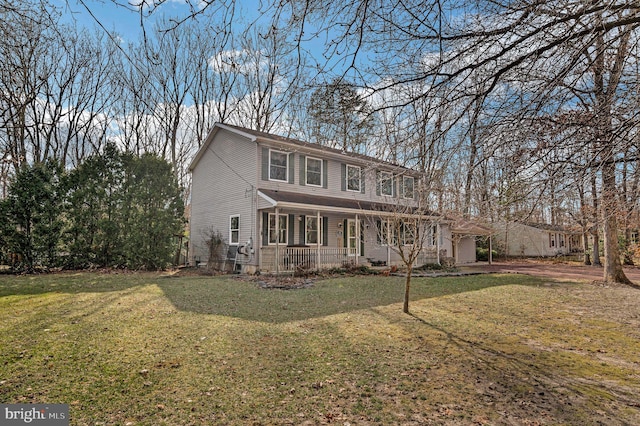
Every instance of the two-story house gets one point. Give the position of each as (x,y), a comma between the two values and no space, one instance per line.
(281,203)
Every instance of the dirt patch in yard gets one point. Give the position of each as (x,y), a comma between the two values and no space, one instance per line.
(552,270)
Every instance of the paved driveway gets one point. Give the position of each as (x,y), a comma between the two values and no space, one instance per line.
(564,271)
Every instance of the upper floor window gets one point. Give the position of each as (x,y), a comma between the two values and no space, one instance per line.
(314,171)
(353,178)
(385,183)
(278,165)
(407,186)
(234,229)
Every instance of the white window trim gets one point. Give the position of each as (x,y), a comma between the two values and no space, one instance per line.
(318,230)
(359,178)
(286,234)
(306,171)
(286,175)
(382,178)
(404,187)
(231,243)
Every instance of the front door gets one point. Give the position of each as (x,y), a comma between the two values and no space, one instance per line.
(352,236)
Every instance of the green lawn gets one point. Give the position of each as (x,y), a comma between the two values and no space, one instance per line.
(148,349)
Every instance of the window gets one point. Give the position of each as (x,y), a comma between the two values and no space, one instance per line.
(353,178)
(278,166)
(388,231)
(234,229)
(433,235)
(552,240)
(407,187)
(385,182)
(409,233)
(383,232)
(314,171)
(312,234)
(282,229)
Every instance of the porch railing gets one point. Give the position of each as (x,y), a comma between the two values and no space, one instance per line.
(313,258)
(309,258)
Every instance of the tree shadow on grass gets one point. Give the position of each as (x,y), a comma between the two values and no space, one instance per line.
(72,282)
(524,386)
(245,300)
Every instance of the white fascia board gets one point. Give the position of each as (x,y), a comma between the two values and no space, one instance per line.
(251,137)
(269,200)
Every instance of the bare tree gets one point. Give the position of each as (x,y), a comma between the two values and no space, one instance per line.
(539,57)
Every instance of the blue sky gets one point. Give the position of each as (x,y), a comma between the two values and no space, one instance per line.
(126,22)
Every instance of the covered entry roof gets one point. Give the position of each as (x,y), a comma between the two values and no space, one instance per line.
(335,204)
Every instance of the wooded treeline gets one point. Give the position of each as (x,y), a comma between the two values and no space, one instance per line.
(114,209)
(514,110)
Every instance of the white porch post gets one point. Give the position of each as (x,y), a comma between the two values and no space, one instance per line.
(357,237)
(490,251)
(277,240)
(438,243)
(388,240)
(319,227)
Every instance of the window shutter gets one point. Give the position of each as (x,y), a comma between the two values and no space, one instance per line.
(302,236)
(401,185)
(343,177)
(290,229)
(325,174)
(378,183)
(265,228)
(265,163)
(345,242)
(362,179)
(325,231)
(291,167)
(303,172)
(394,185)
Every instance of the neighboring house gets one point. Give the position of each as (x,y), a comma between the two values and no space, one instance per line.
(536,239)
(282,204)
(464,233)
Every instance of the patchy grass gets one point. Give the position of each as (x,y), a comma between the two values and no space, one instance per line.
(144,349)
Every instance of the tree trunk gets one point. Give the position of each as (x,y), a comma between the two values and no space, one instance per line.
(612,266)
(407,288)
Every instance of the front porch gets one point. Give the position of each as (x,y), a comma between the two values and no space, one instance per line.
(301,232)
